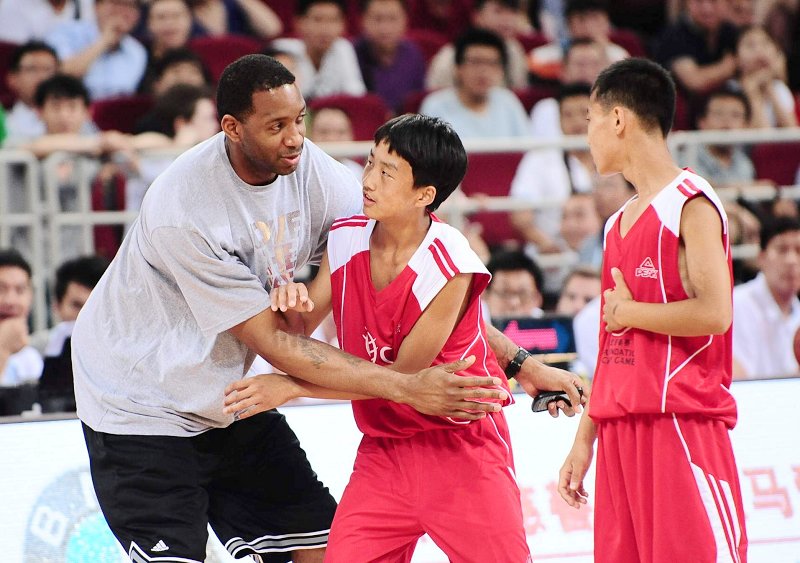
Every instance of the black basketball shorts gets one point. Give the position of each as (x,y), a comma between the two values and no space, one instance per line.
(251,481)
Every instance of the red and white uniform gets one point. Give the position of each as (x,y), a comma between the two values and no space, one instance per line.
(663,408)
(415,473)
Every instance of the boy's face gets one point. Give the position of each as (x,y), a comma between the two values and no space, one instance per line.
(388,184)
(16,293)
(724,113)
(73,301)
(572,112)
(603,142)
(321,25)
(64,115)
(34,68)
(384,23)
(481,70)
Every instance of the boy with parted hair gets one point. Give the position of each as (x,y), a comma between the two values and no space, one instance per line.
(661,409)
(405,291)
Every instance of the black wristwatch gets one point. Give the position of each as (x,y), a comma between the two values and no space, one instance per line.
(515,365)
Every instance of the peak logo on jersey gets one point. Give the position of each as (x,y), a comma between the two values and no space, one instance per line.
(647,270)
(374,351)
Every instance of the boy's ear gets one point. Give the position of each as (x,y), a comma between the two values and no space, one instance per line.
(619,116)
(425,195)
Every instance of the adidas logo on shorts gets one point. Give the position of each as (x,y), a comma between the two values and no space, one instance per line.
(160,546)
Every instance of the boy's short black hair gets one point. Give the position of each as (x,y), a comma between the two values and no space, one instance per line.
(478,36)
(61,87)
(243,78)
(573,89)
(11,258)
(431,147)
(303,6)
(85,271)
(29,47)
(728,92)
(642,86)
(512,261)
(775,226)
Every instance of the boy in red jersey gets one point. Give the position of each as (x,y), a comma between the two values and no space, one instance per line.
(405,291)
(667,484)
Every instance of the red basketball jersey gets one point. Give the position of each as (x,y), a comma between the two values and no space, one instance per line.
(644,372)
(373,324)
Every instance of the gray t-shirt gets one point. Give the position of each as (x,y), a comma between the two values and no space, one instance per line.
(151,351)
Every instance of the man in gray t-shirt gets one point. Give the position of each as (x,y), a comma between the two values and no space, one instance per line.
(180,314)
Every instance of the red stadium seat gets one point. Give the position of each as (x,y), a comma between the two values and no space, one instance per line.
(428,41)
(492,174)
(120,113)
(777,162)
(218,52)
(532,94)
(530,41)
(628,40)
(366,113)
(413,101)
(7,97)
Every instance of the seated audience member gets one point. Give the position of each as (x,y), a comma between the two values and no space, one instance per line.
(103,53)
(19,362)
(237,17)
(580,287)
(579,221)
(514,290)
(479,106)
(500,16)
(766,309)
(587,20)
(586,327)
(392,66)
(724,164)
(326,61)
(583,61)
(450,17)
(551,175)
(610,193)
(176,66)
(30,64)
(23,21)
(761,71)
(285,58)
(332,125)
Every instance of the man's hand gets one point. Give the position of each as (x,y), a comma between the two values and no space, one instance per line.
(570,477)
(613,298)
(438,391)
(291,297)
(535,377)
(260,393)
(13,335)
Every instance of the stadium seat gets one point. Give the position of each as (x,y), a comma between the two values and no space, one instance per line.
(7,97)
(413,101)
(492,174)
(628,40)
(428,41)
(367,112)
(777,162)
(530,41)
(120,113)
(218,52)
(532,94)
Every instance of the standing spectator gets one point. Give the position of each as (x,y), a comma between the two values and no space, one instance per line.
(762,67)
(766,309)
(723,164)
(326,61)
(500,16)
(103,53)
(31,64)
(19,362)
(515,288)
(551,175)
(237,17)
(23,21)
(391,65)
(478,106)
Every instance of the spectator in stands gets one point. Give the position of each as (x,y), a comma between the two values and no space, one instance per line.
(450,17)
(500,16)
(19,362)
(176,66)
(766,309)
(21,22)
(724,164)
(551,175)
(700,48)
(514,290)
(169,26)
(31,64)
(584,59)
(761,71)
(479,106)
(326,61)
(391,65)
(580,287)
(285,58)
(102,53)
(237,17)
(333,125)
(587,20)
(742,13)
(579,221)
(610,194)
